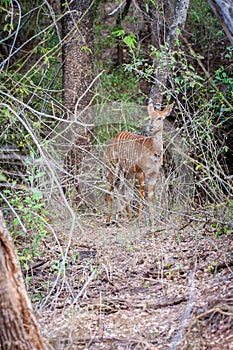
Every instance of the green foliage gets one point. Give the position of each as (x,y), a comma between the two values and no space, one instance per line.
(203,24)
(5,16)
(224,80)
(20,172)
(118,85)
(221,230)
(227,227)
(20,139)
(129,40)
(30,74)
(185,80)
(29,227)
(27,80)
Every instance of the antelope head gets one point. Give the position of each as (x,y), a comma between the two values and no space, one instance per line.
(156,121)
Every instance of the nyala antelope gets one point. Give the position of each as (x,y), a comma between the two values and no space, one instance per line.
(129,153)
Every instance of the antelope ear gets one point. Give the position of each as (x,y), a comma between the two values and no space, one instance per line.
(150,108)
(168,110)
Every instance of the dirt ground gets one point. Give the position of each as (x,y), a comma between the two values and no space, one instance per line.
(132,286)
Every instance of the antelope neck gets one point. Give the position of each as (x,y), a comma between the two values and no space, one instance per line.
(157,143)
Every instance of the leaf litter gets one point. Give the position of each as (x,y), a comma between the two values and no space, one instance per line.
(170,287)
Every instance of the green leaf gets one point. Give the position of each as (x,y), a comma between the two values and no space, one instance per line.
(16,221)
(25,265)
(86,49)
(118,32)
(36,194)
(2,177)
(130,40)
(38,175)
(27,279)
(198,167)
(32,155)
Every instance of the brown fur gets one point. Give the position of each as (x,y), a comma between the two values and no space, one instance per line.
(131,153)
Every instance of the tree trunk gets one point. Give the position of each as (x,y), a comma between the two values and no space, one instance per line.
(223,9)
(160,77)
(155,15)
(78,53)
(18,325)
(163,36)
(78,75)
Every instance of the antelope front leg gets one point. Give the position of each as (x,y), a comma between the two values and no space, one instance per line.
(129,211)
(141,182)
(151,196)
(126,198)
(109,197)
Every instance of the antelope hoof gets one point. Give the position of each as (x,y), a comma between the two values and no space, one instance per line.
(112,223)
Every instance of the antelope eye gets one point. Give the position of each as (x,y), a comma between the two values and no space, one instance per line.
(159,118)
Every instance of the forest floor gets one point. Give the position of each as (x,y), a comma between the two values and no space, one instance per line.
(137,287)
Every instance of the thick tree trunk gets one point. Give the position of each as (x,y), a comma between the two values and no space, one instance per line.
(223,9)
(77,50)
(18,326)
(78,90)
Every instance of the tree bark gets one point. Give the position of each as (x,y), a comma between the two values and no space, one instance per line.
(18,325)
(78,92)
(160,78)
(223,9)
(178,22)
(168,40)
(78,53)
